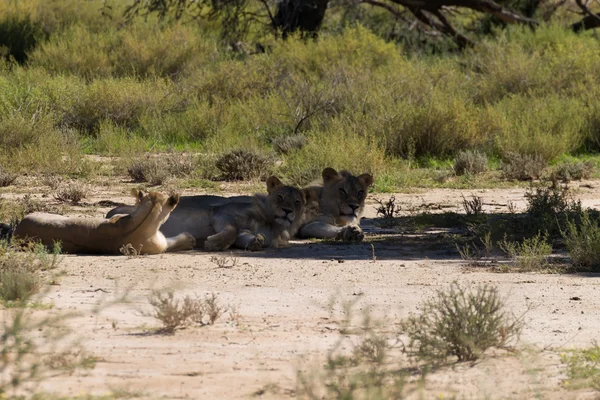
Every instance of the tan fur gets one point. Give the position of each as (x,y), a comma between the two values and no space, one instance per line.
(246,222)
(340,205)
(140,229)
(269,221)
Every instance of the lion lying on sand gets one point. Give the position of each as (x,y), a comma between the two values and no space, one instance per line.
(337,207)
(140,229)
(245,222)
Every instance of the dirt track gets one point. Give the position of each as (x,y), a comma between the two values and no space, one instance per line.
(281,295)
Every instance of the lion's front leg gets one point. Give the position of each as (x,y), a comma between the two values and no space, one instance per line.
(249,241)
(183,241)
(351,233)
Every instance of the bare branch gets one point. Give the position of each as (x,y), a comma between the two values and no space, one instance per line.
(590,20)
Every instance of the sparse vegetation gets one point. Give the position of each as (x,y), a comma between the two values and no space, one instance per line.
(286,144)
(571,171)
(175,314)
(20,270)
(583,368)
(388,209)
(461,323)
(529,255)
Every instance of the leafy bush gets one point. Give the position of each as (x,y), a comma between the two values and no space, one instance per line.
(19,34)
(461,323)
(583,242)
(523,167)
(470,162)
(548,209)
(156,169)
(244,165)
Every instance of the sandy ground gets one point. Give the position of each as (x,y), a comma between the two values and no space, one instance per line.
(284,324)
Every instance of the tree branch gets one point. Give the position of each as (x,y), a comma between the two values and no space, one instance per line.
(590,20)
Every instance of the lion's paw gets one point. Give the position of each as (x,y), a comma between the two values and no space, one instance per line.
(257,243)
(189,241)
(351,233)
(214,244)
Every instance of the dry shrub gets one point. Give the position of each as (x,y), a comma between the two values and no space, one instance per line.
(244,165)
(72,193)
(529,255)
(572,171)
(174,314)
(287,143)
(470,162)
(461,323)
(6,178)
(523,167)
(157,169)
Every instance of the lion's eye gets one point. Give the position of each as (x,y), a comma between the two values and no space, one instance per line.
(297,203)
(360,193)
(280,197)
(343,191)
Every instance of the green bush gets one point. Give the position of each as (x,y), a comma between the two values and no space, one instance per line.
(583,242)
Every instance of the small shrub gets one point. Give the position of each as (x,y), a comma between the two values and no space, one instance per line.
(583,242)
(174,314)
(461,323)
(6,178)
(148,169)
(388,209)
(244,165)
(288,143)
(571,171)
(549,208)
(523,167)
(530,255)
(157,169)
(71,193)
(470,162)
(473,206)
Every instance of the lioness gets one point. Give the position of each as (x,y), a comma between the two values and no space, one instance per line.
(337,212)
(107,236)
(245,222)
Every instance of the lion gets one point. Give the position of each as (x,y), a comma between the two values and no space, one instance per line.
(244,222)
(139,229)
(337,207)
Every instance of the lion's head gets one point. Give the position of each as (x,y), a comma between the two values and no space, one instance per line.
(343,195)
(285,204)
(161,204)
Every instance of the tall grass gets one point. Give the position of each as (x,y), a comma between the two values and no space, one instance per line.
(359,102)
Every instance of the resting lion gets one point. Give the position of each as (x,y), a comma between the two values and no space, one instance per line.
(337,212)
(140,229)
(245,222)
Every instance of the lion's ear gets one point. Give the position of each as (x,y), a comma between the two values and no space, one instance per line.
(330,174)
(138,194)
(366,179)
(173,199)
(273,183)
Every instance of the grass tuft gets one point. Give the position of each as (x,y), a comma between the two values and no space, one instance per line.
(72,193)
(583,242)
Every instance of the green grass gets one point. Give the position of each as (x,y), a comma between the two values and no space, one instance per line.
(94,86)
(583,368)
